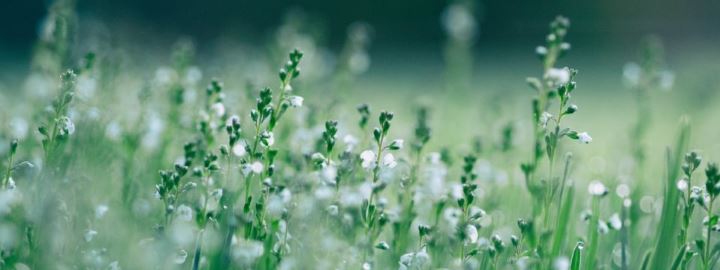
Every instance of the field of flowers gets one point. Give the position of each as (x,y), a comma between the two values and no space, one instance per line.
(274,157)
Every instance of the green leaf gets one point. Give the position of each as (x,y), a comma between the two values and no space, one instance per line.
(575,260)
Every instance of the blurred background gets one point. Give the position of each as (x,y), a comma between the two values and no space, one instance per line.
(468,58)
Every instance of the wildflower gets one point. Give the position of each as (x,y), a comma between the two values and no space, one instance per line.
(101,210)
(256,167)
(113,131)
(180,256)
(596,188)
(184,213)
(666,79)
(193,75)
(368,159)
(558,76)
(239,150)
(615,222)
(66,125)
(267,138)
(414,260)
(218,109)
(471,233)
(544,119)
(389,161)
(10,183)
(541,50)
(332,210)
(295,101)
(603,227)
(561,263)
(631,73)
(350,142)
(19,127)
(459,22)
(584,137)
(622,190)
(89,235)
(682,184)
(245,252)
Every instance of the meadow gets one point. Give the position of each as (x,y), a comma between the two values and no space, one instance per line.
(287,155)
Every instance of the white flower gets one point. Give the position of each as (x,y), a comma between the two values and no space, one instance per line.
(561,263)
(113,130)
(218,109)
(623,190)
(389,161)
(544,118)
(667,79)
(631,73)
(682,185)
(89,234)
(597,188)
(256,167)
(67,127)
(245,252)
(164,75)
(615,222)
(350,142)
(180,256)
(184,213)
(295,101)
(471,233)
(115,265)
(541,50)
(584,137)
(86,86)
(239,150)
(368,159)
(332,210)
(459,22)
(412,260)
(19,127)
(101,210)
(603,227)
(193,75)
(10,183)
(558,76)
(267,138)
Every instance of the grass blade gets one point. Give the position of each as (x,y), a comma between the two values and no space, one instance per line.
(575,260)
(669,222)
(678,258)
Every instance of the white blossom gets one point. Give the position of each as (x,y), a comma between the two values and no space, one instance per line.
(239,150)
(584,137)
(682,185)
(389,161)
(471,233)
(89,235)
(101,210)
(184,213)
(558,76)
(368,159)
(597,188)
(218,109)
(295,101)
